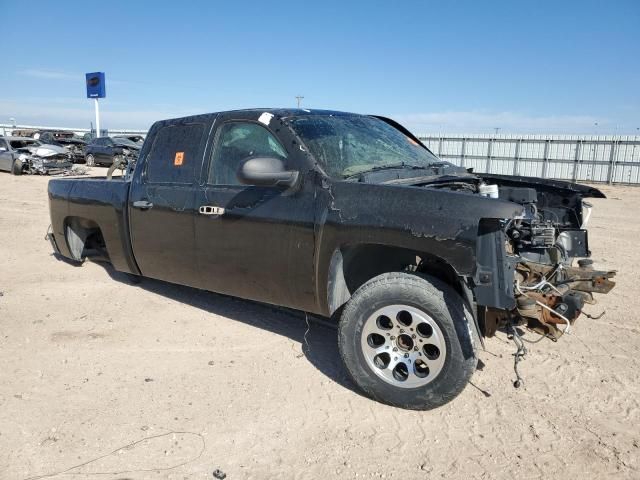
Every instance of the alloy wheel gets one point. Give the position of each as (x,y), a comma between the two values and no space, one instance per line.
(404,346)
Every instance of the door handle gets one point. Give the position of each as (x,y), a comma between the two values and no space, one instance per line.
(210,210)
(142,204)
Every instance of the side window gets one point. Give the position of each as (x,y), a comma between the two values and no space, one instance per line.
(174,156)
(237,141)
(3,144)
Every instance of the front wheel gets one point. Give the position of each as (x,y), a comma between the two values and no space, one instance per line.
(406,341)
(17,167)
(90,160)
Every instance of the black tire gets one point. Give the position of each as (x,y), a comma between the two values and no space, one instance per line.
(90,160)
(17,167)
(443,305)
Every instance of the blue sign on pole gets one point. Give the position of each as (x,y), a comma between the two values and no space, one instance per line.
(96,87)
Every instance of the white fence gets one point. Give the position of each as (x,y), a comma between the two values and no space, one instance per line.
(611,159)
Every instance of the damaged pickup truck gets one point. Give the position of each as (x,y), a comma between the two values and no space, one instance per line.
(349,217)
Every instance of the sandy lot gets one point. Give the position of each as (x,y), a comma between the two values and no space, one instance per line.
(104,379)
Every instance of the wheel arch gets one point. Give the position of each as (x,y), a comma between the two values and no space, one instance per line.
(84,238)
(351,266)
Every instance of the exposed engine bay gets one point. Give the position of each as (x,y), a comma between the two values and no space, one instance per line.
(548,252)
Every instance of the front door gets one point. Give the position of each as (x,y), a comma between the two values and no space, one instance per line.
(254,242)
(161,202)
(6,157)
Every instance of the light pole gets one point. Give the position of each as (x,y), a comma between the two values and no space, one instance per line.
(13,122)
(299,99)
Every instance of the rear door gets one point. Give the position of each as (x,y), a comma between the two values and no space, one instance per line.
(259,241)
(161,202)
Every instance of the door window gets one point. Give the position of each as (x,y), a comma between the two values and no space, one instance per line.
(175,154)
(236,142)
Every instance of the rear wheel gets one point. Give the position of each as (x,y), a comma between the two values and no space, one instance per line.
(90,160)
(406,341)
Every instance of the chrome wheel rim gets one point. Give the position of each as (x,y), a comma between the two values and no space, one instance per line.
(403,346)
(90,160)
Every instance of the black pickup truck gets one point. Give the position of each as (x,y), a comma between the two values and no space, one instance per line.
(349,217)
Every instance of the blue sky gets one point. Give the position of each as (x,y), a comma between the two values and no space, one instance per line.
(457,66)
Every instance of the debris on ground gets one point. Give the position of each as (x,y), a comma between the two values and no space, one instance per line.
(219,474)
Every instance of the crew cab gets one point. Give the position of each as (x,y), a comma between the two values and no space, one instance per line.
(352,218)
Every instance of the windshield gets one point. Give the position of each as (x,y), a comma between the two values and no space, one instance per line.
(24,143)
(125,142)
(352,144)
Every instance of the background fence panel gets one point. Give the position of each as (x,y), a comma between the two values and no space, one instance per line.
(610,158)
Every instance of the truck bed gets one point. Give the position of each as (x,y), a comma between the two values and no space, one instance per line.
(96,203)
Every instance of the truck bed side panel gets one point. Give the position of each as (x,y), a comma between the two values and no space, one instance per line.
(101,201)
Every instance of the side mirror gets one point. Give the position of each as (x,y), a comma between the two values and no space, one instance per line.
(266,172)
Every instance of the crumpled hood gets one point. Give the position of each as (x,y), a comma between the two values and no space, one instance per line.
(46,150)
(536,182)
(128,147)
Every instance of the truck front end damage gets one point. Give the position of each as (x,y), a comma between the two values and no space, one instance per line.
(533,271)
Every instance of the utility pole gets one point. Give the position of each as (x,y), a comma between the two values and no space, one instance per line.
(299,99)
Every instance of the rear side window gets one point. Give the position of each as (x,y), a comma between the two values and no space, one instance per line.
(175,156)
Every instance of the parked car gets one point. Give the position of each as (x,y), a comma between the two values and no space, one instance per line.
(20,155)
(104,150)
(349,217)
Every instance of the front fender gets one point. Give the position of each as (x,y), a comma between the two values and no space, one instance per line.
(444,224)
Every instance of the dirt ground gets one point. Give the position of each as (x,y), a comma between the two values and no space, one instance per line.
(104,379)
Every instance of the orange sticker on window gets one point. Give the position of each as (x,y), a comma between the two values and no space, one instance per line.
(177,161)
